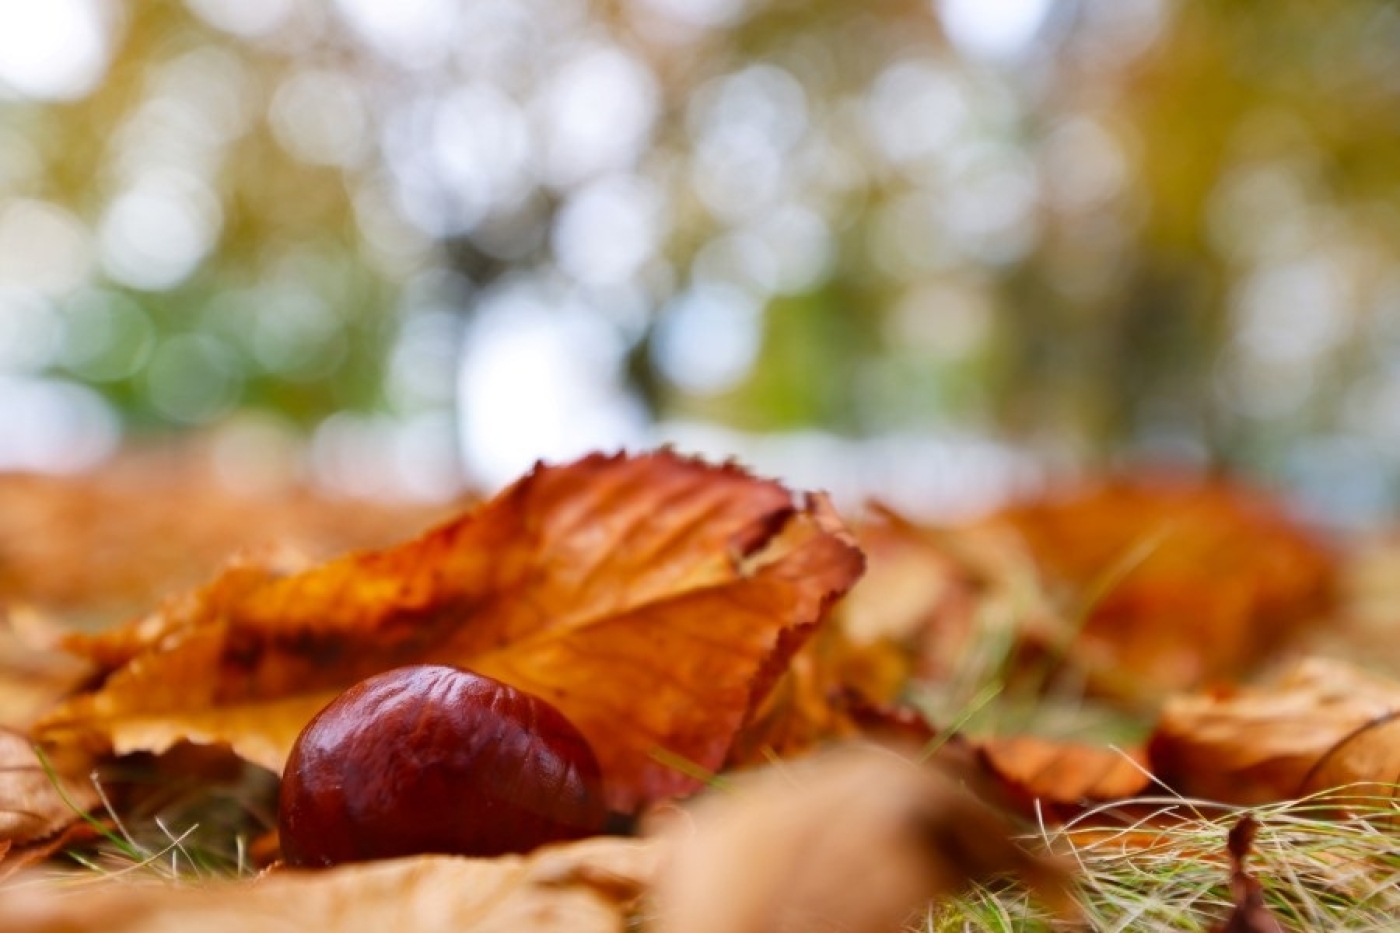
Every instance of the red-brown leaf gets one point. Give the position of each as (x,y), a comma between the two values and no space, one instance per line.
(652,599)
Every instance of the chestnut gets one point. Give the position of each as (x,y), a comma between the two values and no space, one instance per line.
(432,758)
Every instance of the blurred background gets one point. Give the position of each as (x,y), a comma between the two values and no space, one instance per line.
(932,249)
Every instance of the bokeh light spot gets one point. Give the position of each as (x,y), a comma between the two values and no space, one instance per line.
(247,18)
(43,247)
(993,29)
(154,234)
(607,230)
(597,110)
(193,378)
(53,426)
(708,339)
(415,33)
(31,331)
(107,336)
(319,117)
(540,379)
(53,49)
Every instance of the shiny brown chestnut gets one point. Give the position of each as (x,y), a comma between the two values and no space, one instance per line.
(432,758)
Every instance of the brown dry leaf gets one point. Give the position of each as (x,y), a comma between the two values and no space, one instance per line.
(1322,726)
(1184,582)
(36,802)
(586,887)
(1063,777)
(856,840)
(653,599)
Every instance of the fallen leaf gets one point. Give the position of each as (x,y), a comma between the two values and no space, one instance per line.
(38,799)
(1250,913)
(916,583)
(928,595)
(1062,778)
(802,711)
(831,690)
(1177,582)
(653,599)
(1322,726)
(857,839)
(586,887)
(17,857)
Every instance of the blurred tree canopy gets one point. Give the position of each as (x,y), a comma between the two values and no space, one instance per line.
(513,228)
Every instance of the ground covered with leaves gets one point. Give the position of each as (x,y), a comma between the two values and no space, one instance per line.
(1148,701)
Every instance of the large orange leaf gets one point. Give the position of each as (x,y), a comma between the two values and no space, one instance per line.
(653,599)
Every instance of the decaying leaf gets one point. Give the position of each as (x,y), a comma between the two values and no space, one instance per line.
(1178,583)
(1063,777)
(652,599)
(38,799)
(586,887)
(1250,914)
(1324,725)
(856,840)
